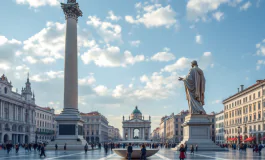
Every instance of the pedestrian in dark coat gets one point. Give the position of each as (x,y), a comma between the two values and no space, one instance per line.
(64,148)
(182,152)
(42,151)
(192,150)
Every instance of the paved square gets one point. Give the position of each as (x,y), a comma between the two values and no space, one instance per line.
(100,155)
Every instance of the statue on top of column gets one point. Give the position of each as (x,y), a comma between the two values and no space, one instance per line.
(194,84)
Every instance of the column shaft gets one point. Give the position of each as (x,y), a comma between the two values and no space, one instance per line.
(70,66)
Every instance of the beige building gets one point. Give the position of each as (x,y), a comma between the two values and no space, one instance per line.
(245,112)
(95,127)
(162,129)
(155,135)
(174,129)
(45,124)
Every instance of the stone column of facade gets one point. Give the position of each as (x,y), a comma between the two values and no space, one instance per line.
(129,133)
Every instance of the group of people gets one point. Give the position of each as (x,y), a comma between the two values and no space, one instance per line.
(142,153)
(183,150)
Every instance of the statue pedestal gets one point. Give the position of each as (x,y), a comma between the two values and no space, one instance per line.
(196,129)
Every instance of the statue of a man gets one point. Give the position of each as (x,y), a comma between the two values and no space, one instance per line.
(194,84)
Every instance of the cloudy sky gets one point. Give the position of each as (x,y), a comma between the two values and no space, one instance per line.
(132,52)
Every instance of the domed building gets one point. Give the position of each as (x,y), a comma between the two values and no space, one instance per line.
(136,127)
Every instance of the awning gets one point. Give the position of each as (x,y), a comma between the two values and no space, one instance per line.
(250,139)
(263,138)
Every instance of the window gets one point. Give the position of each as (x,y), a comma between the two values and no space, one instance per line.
(5,90)
(254,107)
(250,97)
(254,96)
(259,106)
(259,115)
(250,108)
(258,94)
(250,117)
(258,127)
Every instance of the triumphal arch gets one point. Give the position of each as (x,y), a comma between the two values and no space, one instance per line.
(136,127)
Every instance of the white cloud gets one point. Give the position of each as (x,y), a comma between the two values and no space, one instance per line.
(110,56)
(163,56)
(144,78)
(30,60)
(198,39)
(216,101)
(48,60)
(48,44)
(154,16)
(46,76)
(245,6)
(207,54)
(89,80)
(181,64)
(22,68)
(218,16)
(135,43)
(101,90)
(108,31)
(198,9)
(38,3)
(4,66)
(113,17)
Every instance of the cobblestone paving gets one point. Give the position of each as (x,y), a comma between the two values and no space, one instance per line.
(100,155)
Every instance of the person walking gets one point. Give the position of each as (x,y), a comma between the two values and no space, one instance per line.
(17,148)
(260,148)
(192,150)
(8,147)
(143,152)
(196,147)
(64,148)
(56,146)
(182,152)
(86,148)
(186,147)
(42,151)
(129,151)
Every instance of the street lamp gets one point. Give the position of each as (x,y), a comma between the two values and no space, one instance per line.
(238,134)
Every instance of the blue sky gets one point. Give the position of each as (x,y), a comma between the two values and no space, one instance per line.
(132,52)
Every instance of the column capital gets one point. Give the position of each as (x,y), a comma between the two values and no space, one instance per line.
(71,10)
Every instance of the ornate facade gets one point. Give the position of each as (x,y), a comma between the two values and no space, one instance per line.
(45,124)
(17,113)
(136,127)
(95,127)
(244,114)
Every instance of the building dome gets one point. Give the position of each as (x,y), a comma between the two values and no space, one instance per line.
(136,113)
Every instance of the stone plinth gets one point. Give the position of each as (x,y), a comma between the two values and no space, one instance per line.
(196,129)
(136,152)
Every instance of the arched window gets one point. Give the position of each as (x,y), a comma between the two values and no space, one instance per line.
(5,90)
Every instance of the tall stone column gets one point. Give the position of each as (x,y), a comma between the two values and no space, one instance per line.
(69,122)
(72,12)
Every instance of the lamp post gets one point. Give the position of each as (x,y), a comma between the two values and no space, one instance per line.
(238,129)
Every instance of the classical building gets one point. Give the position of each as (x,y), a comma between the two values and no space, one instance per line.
(17,113)
(162,129)
(219,128)
(155,135)
(45,124)
(117,135)
(136,127)
(95,127)
(244,114)
(174,129)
